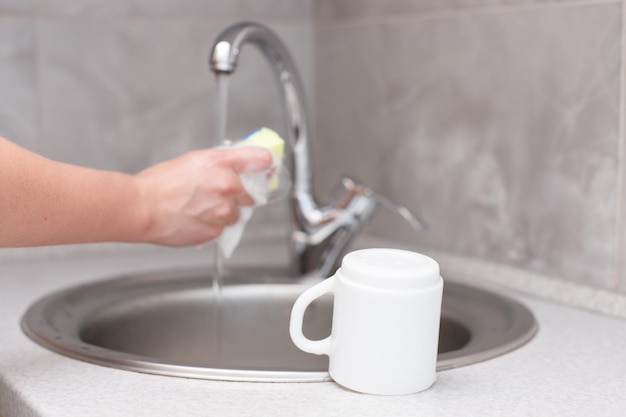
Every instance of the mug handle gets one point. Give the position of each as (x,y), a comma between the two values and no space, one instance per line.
(317,347)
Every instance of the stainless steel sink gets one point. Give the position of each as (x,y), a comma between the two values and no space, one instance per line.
(178,324)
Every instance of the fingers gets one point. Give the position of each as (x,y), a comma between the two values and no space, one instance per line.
(192,198)
(227,185)
(245,200)
(224,214)
(248,158)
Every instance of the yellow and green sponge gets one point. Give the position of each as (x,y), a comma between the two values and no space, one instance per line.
(270,140)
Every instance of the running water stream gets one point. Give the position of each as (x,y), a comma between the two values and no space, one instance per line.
(219,139)
(221,109)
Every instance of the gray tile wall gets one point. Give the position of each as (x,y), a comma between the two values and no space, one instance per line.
(497,121)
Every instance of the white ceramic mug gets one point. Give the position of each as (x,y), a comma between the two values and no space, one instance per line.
(385,330)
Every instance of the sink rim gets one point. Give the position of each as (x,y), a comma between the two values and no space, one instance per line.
(37,324)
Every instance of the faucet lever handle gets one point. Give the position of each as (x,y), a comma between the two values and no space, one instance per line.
(353,188)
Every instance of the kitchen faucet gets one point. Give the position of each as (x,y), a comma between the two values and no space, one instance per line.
(319,234)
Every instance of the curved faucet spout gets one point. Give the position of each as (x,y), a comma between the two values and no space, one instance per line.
(224,58)
(319,234)
(225,52)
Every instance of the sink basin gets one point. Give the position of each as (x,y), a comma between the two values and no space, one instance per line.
(180,324)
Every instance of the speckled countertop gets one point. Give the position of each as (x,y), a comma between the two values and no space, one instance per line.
(575,366)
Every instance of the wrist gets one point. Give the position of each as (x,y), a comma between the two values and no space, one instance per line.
(141,214)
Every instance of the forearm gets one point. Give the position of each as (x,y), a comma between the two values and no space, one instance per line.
(44,202)
(183,201)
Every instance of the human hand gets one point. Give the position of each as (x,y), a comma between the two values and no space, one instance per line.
(190,199)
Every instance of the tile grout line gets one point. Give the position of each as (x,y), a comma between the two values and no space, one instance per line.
(38,78)
(452,14)
(312,15)
(269,20)
(620,209)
